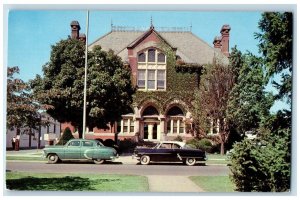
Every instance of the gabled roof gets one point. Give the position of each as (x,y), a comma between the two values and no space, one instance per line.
(189,47)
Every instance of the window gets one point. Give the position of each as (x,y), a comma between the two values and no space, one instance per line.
(161,58)
(141,78)
(174,126)
(87,143)
(151,55)
(151,74)
(151,79)
(131,126)
(169,126)
(161,79)
(125,126)
(181,126)
(74,144)
(142,57)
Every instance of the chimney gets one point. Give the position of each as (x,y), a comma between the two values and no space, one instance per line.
(82,37)
(225,39)
(75,27)
(217,43)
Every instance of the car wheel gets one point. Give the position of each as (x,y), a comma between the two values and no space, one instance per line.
(98,161)
(52,158)
(145,160)
(190,161)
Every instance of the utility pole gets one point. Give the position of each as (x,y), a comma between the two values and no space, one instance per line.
(85,75)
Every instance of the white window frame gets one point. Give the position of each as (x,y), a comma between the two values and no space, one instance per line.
(155,66)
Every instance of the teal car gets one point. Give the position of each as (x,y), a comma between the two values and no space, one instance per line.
(80,149)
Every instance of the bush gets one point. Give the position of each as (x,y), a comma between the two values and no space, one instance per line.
(262,165)
(66,136)
(178,138)
(203,144)
(127,146)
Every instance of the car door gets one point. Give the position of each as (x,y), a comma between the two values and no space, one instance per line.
(73,150)
(87,149)
(164,152)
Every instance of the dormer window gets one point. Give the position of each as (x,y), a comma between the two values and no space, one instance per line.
(151,74)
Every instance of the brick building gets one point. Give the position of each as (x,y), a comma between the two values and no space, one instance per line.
(162,105)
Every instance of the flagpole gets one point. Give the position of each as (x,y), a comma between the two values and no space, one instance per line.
(85,75)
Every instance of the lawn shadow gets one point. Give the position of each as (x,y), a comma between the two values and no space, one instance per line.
(66,183)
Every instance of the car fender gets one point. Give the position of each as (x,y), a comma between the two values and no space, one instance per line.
(89,153)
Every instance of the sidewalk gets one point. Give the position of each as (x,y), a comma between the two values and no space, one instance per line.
(172,184)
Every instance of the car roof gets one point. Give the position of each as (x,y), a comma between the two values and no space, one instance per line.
(173,142)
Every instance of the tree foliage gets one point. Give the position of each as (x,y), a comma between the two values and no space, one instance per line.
(276,45)
(249,104)
(264,164)
(66,136)
(109,89)
(22,111)
(211,100)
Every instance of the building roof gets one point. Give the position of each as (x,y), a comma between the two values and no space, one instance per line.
(189,47)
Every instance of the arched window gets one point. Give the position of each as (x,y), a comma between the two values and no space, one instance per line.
(161,58)
(151,55)
(142,57)
(150,110)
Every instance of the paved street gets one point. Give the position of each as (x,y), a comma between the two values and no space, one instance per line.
(119,168)
(163,177)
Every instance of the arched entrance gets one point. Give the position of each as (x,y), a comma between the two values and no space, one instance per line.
(150,122)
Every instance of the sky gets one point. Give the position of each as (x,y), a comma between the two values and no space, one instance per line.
(32,32)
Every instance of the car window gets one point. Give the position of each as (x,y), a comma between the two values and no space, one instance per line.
(165,146)
(176,146)
(87,143)
(74,144)
(99,144)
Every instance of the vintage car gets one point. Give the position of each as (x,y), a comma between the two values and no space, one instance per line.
(169,151)
(80,149)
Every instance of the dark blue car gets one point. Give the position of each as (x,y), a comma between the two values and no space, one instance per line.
(170,151)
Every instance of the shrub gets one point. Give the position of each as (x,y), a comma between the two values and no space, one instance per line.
(262,165)
(203,144)
(178,138)
(66,136)
(127,146)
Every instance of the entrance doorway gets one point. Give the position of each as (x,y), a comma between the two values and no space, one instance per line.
(146,131)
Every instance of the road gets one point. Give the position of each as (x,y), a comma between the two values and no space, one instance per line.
(119,168)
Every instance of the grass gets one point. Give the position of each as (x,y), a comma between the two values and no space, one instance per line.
(79,182)
(214,183)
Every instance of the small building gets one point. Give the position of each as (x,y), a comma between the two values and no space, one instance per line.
(162,107)
(35,138)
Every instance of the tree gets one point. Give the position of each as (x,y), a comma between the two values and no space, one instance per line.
(276,45)
(109,89)
(249,104)
(211,100)
(22,111)
(253,165)
(66,136)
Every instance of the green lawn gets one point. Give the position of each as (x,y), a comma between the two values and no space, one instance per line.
(78,182)
(213,183)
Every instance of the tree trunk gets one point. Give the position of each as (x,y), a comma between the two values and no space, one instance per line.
(80,131)
(222,148)
(29,144)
